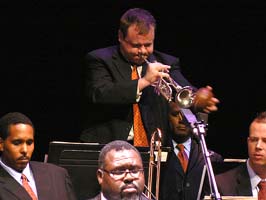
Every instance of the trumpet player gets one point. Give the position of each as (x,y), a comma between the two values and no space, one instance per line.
(182,173)
(121,105)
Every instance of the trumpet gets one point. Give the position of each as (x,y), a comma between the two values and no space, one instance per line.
(156,145)
(172,91)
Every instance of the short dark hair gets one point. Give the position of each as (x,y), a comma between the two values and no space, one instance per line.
(261,117)
(142,18)
(116,145)
(10,119)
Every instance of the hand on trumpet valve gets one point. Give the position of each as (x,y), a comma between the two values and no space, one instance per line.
(156,71)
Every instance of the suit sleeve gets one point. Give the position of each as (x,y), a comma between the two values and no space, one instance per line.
(177,75)
(69,187)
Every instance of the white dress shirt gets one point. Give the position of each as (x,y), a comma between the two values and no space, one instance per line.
(254,180)
(187,147)
(17,175)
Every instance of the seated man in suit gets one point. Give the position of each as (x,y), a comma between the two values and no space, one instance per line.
(120,172)
(245,179)
(182,173)
(20,178)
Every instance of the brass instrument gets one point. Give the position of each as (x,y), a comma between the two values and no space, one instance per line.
(156,143)
(184,96)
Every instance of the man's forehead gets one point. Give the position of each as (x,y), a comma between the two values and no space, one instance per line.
(174,107)
(258,128)
(124,155)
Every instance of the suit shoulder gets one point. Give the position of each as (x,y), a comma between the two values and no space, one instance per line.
(232,173)
(164,57)
(48,166)
(105,53)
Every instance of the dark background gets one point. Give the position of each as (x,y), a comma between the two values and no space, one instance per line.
(219,43)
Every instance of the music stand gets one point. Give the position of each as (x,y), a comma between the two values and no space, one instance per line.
(199,129)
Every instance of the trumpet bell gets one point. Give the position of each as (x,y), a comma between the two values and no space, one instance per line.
(167,87)
(184,97)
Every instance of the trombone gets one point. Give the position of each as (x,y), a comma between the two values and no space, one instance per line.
(184,98)
(156,145)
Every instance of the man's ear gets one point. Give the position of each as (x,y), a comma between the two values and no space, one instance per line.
(1,144)
(120,36)
(100,176)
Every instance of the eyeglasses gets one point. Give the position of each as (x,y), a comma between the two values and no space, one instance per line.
(119,174)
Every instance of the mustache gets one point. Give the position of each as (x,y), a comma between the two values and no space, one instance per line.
(181,126)
(129,185)
(24,158)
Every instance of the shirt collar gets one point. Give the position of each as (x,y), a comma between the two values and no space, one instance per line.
(187,146)
(254,178)
(15,174)
(102,197)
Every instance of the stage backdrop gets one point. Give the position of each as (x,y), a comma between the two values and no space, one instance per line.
(219,43)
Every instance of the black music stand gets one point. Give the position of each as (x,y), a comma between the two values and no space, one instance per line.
(199,129)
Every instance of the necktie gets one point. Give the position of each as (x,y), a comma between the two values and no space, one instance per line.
(27,187)
(262,191)
(140,137)
(182,156)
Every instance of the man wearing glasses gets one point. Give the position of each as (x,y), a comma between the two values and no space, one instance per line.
(120,172)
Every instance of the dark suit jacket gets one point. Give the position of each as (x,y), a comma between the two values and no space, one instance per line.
(110,93)
(175,184)
(98,197)
(235,182)
(52,183)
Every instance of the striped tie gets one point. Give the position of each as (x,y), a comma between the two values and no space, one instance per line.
(28,188)
(182,156)
(262,191)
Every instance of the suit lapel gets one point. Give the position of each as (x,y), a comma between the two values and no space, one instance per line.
(243,182)
(42,180)
(176,163)
(11,185)
(195,156)
(125,71)
(118,61)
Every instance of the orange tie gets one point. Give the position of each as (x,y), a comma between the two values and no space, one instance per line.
(182,156)
(27,187)
(140,137)
(262,191)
